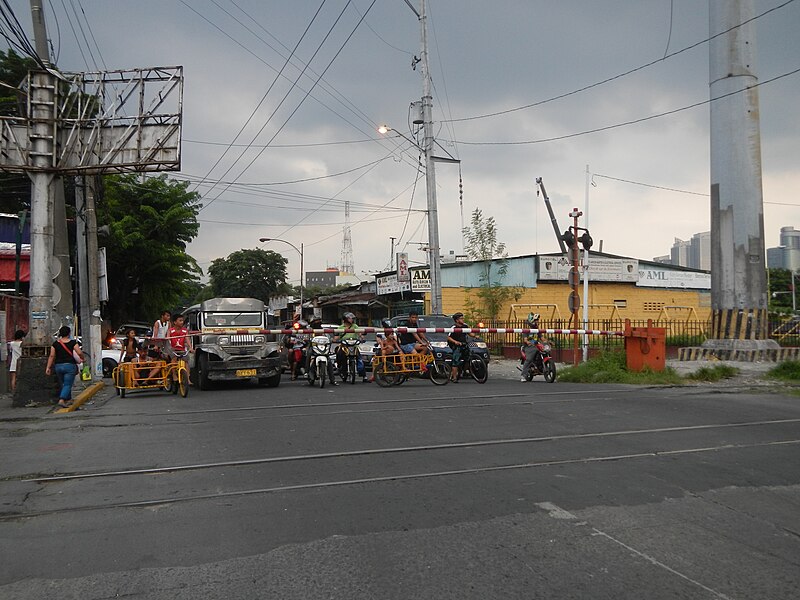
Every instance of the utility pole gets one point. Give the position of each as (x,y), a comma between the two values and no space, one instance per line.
(586,269)
(42,105)
(738,270)
(430,173)
(88,272)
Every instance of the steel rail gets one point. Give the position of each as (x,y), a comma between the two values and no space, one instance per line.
(393,478)
(400,449)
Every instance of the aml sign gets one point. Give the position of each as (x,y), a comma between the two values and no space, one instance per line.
(662,278)
(420,282)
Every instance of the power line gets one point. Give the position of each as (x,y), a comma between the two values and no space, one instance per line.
(299,104)
(658,187)
(632,122)
(626,73)
(263,98)
(308,145)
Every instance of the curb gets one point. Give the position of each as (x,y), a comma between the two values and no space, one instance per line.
(82,398)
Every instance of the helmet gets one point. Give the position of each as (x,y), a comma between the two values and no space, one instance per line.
(457,316)
(349,315)
(533,317)
(386,323)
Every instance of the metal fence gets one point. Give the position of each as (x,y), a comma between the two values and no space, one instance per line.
(679,333)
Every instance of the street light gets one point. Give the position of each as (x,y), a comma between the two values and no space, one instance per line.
(300,252)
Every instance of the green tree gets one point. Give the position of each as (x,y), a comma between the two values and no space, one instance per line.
(150,224)
(249,273)
(780,290)
(482,246)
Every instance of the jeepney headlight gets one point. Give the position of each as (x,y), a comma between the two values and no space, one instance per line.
(480,344)
(259,339)
(223,340)
(438,344)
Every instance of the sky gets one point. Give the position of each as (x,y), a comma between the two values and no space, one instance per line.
(296,152)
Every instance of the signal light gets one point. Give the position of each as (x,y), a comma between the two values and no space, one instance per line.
(586,240)
(296,325)
(568,237)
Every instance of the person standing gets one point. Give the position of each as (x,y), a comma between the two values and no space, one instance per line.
(160,329)
(63,359)
(15,350)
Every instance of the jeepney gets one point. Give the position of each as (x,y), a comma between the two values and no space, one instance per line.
(230,343)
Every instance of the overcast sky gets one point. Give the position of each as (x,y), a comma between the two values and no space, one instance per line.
(486,57)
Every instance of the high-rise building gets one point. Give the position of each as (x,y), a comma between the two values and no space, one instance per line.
(694,253)
(787,255)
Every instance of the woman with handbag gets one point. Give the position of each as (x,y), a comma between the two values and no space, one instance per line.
(65,354)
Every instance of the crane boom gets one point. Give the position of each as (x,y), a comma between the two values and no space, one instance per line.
(561,243)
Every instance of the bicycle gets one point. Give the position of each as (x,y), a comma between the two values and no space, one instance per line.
(473,365)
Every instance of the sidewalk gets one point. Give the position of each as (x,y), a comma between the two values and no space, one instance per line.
(44,406)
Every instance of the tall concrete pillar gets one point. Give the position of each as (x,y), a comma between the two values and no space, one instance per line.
(739,292)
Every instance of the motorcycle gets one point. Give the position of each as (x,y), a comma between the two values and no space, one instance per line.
(543,363)
(352,355)
(318,359)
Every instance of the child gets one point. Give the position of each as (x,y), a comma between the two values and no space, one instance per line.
(15,349)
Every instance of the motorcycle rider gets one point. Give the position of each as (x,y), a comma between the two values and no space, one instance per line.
(458,342)
(316,323)
(529,342)
(294,343)
(348,322)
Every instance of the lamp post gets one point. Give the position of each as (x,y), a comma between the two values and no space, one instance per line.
(300,252)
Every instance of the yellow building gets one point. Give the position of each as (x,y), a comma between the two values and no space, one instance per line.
(619,288)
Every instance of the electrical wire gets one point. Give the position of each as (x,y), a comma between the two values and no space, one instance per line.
(411,201)
(262,60)
(634,121)
(56,52)
(626,73)
(658,187)
(75,34)
(263,98)
(669,35)
(299,104)
(308,145)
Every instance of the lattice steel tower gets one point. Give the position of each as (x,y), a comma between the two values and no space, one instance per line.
(347,243)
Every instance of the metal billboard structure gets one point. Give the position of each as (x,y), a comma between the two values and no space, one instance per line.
(104,122)
(76,124)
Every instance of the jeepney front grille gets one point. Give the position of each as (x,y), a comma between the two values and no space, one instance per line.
(242,340)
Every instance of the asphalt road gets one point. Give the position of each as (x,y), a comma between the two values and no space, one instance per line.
(502,490)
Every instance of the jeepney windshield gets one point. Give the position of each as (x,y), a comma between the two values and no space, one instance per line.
(233,319)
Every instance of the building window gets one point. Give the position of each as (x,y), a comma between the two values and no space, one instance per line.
(653,306)
(621,303)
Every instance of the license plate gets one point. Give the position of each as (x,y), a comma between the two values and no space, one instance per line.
(245,372)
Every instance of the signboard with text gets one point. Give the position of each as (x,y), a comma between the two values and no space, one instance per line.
(402,267)
(664,278)
(420,281)
(557,268)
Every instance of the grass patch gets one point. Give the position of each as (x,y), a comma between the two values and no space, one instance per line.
(714,373)
(609,367)
(787,371)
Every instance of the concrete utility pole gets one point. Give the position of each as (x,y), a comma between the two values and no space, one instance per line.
(42,113)
(88,272)
(738,267)
(434,251)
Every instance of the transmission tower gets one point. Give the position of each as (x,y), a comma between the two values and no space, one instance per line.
(347,243)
